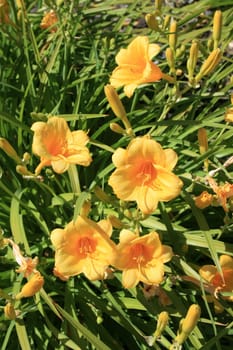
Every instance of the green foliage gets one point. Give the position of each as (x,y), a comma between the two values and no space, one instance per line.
(64,73)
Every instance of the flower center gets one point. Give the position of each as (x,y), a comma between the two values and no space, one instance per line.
(146,173)
(86,246)
(140,254)
(217,280)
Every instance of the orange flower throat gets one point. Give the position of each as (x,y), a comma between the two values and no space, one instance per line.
(145,173)
(86,246)
(140,254)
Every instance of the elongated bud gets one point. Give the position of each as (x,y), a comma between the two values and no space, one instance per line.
(161,323)
(188,323)
(86,207)
(9,311)
(232,99)
(217,28)
(172,39)
(209,64)
(166,21)
(114,101)
(170,59)
(158,4)
(22,169)
(115,222)
(100,194)
(151,21)
(9,150)
(31,287)
(117,107)
(192,61)
(203,144)
(117,128)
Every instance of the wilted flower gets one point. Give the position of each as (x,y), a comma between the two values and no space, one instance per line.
(83,247)
(49,20)
(220,282)
(203,200)
(9,311)
(141,258)
(135,66)
(144,174)
(57,146)
(4,12)
(26,265)
(223,192)
(31,287)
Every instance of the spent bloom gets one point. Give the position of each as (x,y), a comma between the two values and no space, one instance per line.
(58,146)
(220,282)
(135,66)
(141,258)
(83,246)
(49,20)
(223,192)
(144,174)
(32,287)
(204,200)
(27,265)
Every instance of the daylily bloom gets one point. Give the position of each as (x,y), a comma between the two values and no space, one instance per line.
(59,147)
(135,66)
(144,174)
(83,246)
(141,258)
(218,282)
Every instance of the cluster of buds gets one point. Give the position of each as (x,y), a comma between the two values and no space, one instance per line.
(155,20)
(212,60)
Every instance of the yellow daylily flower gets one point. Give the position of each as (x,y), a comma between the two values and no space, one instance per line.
(83,246)
(58,146)
(144,174)
(220,283)
(141,258)
(135,66)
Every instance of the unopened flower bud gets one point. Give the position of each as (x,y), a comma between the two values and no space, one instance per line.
(209,64)
(217,27)
(151,21)
(9,311)
(170,59)
(166,21)
(172,39)
(192,61)
(188,323)
(115,222)
(161,323)
(229,115)
(114,101)
(203,144)
(158,4)
(117,128)
(9,150)
(86,207)
(100,194)
(31,287)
